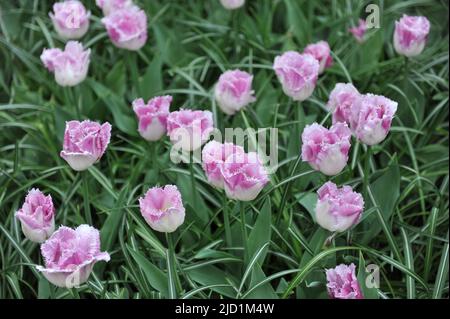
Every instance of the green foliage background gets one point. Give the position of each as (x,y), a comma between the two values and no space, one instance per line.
(404,180)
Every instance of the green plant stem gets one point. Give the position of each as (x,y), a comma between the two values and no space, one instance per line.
(71,100)
(74,293)
(300,117)
(367,170)
(87,208)
(406,69)
(226,221)
(286,190)
(244,228)
(77,101)
(172,264)
(252,138)
(191,170)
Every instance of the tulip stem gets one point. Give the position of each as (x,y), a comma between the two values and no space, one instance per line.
(226,221)
(252,144)
(191,169)
(405,72)
(87,208)
(330,239)
(155,151)
(174,282)
(244,228)
(367,170)
(286,190)
(74,293)
(71,100)
(77,101)
(300,116)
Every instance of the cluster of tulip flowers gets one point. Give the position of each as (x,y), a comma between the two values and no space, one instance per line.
(71,252)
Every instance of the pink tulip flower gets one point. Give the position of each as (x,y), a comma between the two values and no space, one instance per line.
(234,91)
(214,155)
(85,143)
(162,208)
(152,116)
(109,6)
(69,66)
(127,28)
(338,209)
(359,31)
(70,19)
(70,255)
(321,51)
(297,74)
(37,216)
(372,118)
(410,35)
(326,150)
(189,129)
(342,283)
(244,176)
(342,103)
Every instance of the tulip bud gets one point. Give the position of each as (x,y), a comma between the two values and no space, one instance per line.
(152,116)
(342,103)
(162,208)
(338,209)
(232,4)
(373,117)
(70,254)
(297,74)
(70,19)
(37,216)
(85,143)
(189,129)
(69,66)
(109,6)
(326,150)
(234,91)
(321,52)
(214,155)
(127,28)
(410,35)
(342,283)
(244,176)
(359,31)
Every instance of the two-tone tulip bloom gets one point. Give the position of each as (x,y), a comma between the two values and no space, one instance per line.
(342,283)
(70,255)
(162,208)
(152,116)
(214,155)
(321,51)
(109,6)
(297,74)
(244,176)
(189,129)
(232,4)
(69,66)
(85,143)
(410,35)
(359,31)
(234,91)
(326,150)
(70,19)
(127,28)
(342,103)
(372,118)
(37,216)
(338,209)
